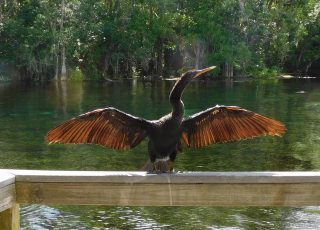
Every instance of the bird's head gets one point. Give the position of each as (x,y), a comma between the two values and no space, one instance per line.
(197,73)
(177,90)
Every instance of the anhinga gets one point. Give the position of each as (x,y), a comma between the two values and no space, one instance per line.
(115,129)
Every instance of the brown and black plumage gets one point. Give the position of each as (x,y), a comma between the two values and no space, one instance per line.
(115,129)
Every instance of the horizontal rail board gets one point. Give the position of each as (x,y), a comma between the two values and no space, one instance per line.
(169,194)
(178,189)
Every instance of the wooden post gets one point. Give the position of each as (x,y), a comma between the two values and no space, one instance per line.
(10,218)
(9,210)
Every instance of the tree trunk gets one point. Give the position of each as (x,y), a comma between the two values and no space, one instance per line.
(56,72)
(173,61)
(199,49)
(63,72)
(227,70)
(116,69)
(244,17)
(63,65)
(106,64)
(159,57)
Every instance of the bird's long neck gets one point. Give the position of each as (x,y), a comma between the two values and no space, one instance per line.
(176,94)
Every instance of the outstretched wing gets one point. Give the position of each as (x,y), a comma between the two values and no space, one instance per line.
(108,127)
(227,123)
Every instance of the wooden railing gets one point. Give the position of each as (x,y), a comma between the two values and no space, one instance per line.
(141,189)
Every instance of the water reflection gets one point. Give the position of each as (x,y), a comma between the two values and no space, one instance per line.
(180,218)
(28,111)
(65,94)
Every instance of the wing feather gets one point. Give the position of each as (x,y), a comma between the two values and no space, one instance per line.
(108,127)
(227,123)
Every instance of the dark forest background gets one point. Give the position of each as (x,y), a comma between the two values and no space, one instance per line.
(109,39)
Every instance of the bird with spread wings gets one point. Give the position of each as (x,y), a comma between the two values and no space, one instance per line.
(118,130)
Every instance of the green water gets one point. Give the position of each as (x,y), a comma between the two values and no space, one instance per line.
(28,111)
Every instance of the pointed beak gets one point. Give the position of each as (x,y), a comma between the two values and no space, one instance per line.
(203,71)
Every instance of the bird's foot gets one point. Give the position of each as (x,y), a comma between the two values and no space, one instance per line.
(171,166)
(159,167)
(156,168)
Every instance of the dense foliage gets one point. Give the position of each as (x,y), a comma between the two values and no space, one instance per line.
(118,38)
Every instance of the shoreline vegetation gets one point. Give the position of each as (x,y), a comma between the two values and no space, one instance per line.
(78,76)
(108,40)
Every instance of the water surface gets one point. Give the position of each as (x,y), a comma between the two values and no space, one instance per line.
(28,111)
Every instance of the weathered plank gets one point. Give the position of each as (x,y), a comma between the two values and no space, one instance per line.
(179,189)
(170,194)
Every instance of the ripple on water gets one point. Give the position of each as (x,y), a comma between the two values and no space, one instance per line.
(42,217)
(306,218)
